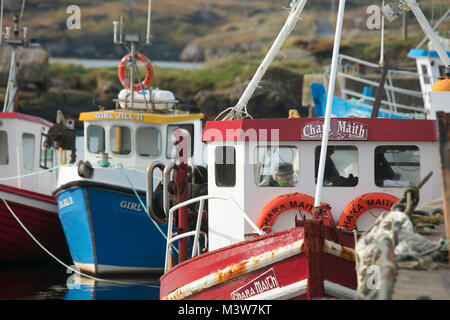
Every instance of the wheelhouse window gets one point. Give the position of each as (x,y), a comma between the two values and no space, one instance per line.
(95,138)
(148,142)
(170,138)
(120,140)
(426,78)
(341,166)
(4,159)
(397,166)
(28,150)
(276,166)
(225,166)
(46,160)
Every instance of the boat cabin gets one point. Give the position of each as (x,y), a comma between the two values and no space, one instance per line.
(133,138)
(430,68)
(254,161)
(23,150)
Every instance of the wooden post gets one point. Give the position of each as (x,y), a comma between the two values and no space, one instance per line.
(380,89)
(443,120)
(315,258)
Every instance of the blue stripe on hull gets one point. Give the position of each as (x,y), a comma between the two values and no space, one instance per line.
(110,228)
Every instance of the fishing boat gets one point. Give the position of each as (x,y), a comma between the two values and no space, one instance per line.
(265,232)
(28,211)
(101,202)
(398,102)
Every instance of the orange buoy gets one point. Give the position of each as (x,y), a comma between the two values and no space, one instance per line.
(123,76)
(274,208)
(442,84)
(363,203)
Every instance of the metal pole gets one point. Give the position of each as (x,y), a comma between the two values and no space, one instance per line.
(1,23)
(326,125)
(443,123)
(296,9)
(429,31)
(147,40)
(133,61)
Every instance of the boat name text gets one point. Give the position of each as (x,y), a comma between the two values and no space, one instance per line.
(339,130)
(118,116)
(265,282)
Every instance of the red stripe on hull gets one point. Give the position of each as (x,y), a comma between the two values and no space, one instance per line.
(17,246)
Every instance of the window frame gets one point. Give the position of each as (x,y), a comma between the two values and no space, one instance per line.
(317,164)
(132,137)
(44,165)
(160,151)
(225,169)
(293,163)
(25,155)
(411,147)
(7,148)
(169,134)
(87,138)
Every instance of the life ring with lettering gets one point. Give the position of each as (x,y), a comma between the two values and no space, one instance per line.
(274,208)
(122,68)
(363,203)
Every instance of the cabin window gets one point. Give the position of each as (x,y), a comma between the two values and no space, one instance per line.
(397,166)
(28,150)
(341,166)
(276,166)
(170,138)
(148,142)
(120,140)
(4,159)
(441,70)
(46,161)
(225,166)
(426,78)
(96,138)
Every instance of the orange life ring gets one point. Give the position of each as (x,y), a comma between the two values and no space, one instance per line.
(122,68)
(361,204)
(280,204)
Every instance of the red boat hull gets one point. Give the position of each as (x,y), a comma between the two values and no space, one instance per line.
(283,265)
(39,215)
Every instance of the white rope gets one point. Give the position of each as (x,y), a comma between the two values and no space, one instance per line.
(56,258)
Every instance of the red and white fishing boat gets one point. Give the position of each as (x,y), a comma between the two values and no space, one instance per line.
(25,181)
(266,232)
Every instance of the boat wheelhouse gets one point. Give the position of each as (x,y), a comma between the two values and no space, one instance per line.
(26,187)
(261,181)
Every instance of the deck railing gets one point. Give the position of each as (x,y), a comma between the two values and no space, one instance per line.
(392,93)
(196,233)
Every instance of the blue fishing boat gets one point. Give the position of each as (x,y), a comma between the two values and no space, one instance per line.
(109,225)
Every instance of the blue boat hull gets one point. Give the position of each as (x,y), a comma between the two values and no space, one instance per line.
(108,231)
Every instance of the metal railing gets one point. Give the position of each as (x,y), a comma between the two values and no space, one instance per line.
(196,233)
(388,105)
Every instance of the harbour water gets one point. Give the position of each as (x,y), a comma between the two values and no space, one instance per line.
(52,281)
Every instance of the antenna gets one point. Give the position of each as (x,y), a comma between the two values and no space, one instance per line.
(131,39)
(14,41)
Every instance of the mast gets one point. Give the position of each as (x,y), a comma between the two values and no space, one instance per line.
(15,42)
(326,125)
(132,40)
(296,9)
